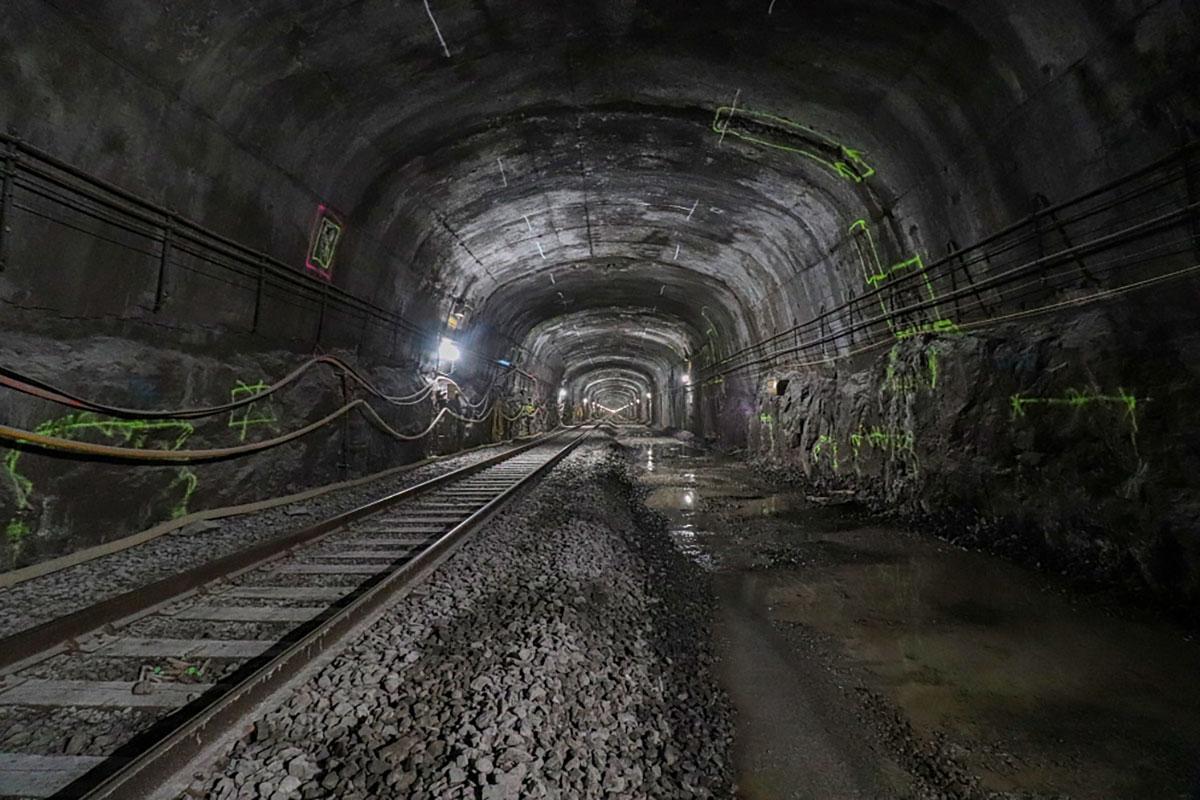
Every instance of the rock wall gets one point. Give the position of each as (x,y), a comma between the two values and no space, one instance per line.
(1070,442)
(53,504)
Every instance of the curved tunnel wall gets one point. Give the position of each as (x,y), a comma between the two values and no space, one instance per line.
(569,176)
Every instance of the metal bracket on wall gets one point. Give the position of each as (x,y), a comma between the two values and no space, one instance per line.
(959,264)
(8,173)
(1045,207)
(160,289)
(259,285)
(321,316)
(1191,183)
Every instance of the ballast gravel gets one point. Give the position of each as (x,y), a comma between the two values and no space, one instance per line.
(561,653)
(42,599)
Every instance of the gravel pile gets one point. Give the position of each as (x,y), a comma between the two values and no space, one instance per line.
(563,652)
(42,599)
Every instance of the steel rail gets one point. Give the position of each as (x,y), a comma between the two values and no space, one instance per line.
(140,769)
(33,642)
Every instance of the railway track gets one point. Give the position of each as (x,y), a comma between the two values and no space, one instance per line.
(114,699)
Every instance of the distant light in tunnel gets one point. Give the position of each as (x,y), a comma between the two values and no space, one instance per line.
(647,395)
(562,394)
(448,351)
(686,379)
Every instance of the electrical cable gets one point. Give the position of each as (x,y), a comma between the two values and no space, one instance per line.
(134,454)
(984,323)
(990,282)
(14,380)
(936,270)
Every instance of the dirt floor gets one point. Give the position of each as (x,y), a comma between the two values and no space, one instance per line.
(867,661)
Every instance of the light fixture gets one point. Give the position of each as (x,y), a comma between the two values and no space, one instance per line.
(562,394)
(647,395)
(448,351)
(687,379)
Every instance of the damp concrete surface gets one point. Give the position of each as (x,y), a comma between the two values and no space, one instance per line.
(826,613)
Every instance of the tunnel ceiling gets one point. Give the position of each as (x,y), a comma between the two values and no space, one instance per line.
(556,164)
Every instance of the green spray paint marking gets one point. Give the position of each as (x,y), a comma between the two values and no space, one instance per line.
(826,441)
(891,440)
(894,441)
(780,133)
(130,432)
(856,440)
(1076,399)
(16,531)
(189,481)
(23,486)
(876,275)
(900,378)
(249,415)
(766,419)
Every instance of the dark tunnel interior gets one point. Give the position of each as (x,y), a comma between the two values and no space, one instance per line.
(937,257)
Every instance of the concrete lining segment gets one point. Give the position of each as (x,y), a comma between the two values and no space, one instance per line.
(408,529)
(32,775)
(250,613)
(388,541)
(329,569)
(185,648)
(373,555)
(286,592)
(106,694)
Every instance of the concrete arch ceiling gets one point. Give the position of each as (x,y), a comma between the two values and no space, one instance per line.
(561,158)
(614,384)
(574,341)
(629,380)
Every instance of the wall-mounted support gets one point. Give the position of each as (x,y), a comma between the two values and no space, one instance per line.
(8,176)
(321,316)
(164,257)
(1044,207)
(1191,183)
(259,286)
(362,334)
(954,251)
(344,461)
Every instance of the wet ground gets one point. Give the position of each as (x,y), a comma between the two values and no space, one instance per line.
(907,667)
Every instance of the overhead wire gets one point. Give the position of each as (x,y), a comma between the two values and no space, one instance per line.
(991,321)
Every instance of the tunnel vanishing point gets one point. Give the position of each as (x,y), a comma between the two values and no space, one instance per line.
(939,256)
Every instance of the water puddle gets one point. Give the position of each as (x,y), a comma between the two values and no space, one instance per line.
(1038,691)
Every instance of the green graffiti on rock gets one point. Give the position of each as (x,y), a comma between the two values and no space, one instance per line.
(133,433)
(248,416)
(910,293)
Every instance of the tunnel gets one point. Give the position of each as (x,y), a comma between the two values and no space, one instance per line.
(847,348)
